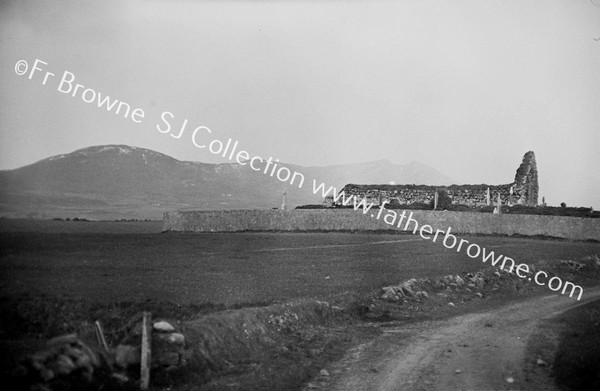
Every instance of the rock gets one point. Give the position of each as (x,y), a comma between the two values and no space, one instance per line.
(497,273)
(389,289)
(390,296)
(459,280)
(479,294)
(46,374)
(324,372)
(411,282)
(510,379)
(176,338)
(64,365)
(451,304)
(457,371)
(127,355)
(66,359)
(163,326)
(574,265)
(594,258)
(407,290)
(422,294)
(84,359)
(167,349)
(541,362)
(63,340)
(471,285)
(120,377)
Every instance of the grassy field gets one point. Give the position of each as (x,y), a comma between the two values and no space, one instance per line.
(128,261)
(58,276)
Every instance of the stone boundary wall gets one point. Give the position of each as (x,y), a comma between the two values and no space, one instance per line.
(573,228)
(470,195)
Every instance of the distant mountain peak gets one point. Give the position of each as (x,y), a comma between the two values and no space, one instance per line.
(121,149)
(128,181)
(110,150)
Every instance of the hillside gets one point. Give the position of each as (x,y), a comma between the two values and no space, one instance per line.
(119,181)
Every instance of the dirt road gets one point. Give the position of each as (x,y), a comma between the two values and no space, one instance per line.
(479,351)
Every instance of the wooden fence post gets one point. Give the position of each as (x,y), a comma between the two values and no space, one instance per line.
(146,358)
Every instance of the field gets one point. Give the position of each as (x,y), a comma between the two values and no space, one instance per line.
(56,277)
(133,261)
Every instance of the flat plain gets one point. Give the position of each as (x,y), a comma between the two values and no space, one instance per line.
(134,261)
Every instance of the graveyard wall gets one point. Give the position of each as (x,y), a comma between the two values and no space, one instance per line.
(525,190)
(573,228)
(470,195)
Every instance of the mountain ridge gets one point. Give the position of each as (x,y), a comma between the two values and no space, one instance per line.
(121,181)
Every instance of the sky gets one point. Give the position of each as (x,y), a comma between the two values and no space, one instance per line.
(466,87)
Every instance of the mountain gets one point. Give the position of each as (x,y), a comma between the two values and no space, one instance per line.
(119,181)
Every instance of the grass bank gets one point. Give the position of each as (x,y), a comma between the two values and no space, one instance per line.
(285,345)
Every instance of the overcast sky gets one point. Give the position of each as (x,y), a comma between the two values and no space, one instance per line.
(466,87)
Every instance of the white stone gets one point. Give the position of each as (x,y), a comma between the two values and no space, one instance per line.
(176,338)
(163,326)
(541,362)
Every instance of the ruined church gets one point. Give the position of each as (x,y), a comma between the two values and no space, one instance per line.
(522,191)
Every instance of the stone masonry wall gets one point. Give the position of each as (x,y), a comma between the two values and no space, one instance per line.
(471,195)
(525,190)
(573,228)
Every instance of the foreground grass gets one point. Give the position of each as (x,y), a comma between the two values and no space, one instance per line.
(253,346)
(55,282)
(263,346)
(578,354)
